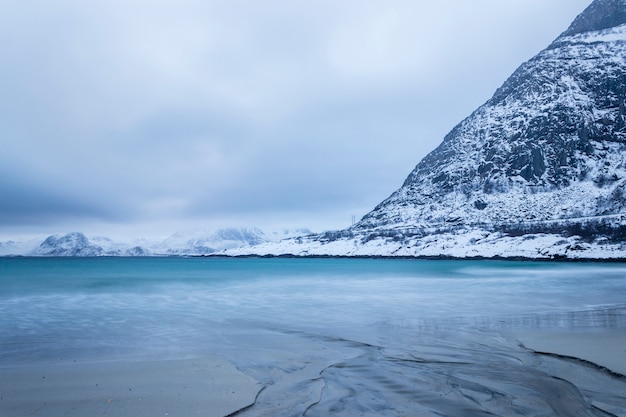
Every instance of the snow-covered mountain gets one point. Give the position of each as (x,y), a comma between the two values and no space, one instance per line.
(550,145)
(203,242)
(18,247)
(539,170)
(77,244)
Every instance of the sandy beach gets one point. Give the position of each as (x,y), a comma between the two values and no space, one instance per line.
(207,387)
(212,387)
(604,349)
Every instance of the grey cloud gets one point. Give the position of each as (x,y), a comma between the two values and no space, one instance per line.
(33,204)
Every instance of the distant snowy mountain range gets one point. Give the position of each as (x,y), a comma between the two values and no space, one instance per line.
(190,243)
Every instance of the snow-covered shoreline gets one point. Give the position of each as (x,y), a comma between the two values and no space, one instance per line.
(474,244)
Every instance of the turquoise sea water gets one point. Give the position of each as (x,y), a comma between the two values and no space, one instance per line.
(347,336)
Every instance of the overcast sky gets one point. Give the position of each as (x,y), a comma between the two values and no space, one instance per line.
(145,117)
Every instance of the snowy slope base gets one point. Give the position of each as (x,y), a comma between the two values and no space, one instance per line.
(465,243)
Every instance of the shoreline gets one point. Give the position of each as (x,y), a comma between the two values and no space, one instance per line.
(212,387)
(556,259)
(604,350)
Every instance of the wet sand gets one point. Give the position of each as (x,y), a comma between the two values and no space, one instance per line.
(604,349)
(213,387)
(206,387)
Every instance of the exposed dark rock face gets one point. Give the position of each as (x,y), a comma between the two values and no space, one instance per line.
(601,14)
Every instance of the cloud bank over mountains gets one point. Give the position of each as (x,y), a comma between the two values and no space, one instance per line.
(160,115)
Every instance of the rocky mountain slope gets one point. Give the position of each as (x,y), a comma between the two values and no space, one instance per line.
(544,160)
(549,145)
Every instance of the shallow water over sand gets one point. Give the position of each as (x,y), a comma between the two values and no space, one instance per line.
(332,336)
